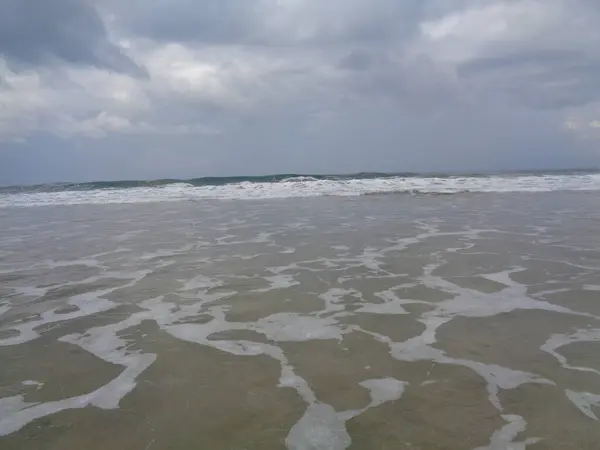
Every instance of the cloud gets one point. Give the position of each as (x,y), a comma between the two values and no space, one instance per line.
(269,22)
(543,54)
(270,86)
(41,32)
(584,123)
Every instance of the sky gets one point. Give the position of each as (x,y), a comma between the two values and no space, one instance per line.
(142,89)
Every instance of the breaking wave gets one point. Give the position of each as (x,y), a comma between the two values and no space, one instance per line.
(289,186)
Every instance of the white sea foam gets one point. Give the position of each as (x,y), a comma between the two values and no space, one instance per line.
(104,343)
(308,187)
(322,427)
(392,304)
(86,304)
(4,309)
(288,327)
(557,341)
(383,390)
(585,402)
(473,304)
(280,282)
(503,439)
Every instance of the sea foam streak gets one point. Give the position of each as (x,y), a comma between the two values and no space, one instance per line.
(296,187)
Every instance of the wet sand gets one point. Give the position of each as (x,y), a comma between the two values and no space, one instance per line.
(463,322)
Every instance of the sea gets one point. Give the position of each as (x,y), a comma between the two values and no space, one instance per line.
(302,312)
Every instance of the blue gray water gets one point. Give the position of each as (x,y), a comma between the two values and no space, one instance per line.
(462,321)
(292,186)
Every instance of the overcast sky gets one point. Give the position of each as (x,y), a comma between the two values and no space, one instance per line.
(115,89)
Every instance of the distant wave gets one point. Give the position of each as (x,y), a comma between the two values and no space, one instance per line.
(204,181)
(290,186)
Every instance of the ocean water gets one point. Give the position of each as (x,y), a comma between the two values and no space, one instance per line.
(304,313)
(291,186)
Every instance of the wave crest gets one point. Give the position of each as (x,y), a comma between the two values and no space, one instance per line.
(300,186)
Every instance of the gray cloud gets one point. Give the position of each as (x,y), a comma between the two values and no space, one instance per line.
(361,60)
(547,79)
(34,32)
(211,21)
(239,86)
(271,22)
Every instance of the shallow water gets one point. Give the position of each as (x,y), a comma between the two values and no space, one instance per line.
(468,321)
